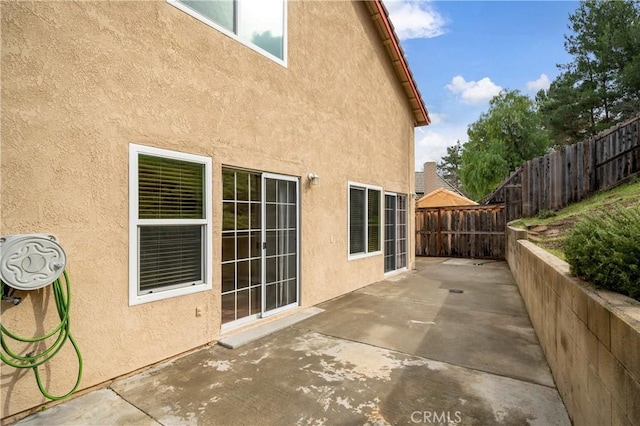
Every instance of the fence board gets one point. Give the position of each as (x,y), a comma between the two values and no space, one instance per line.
(571,174)
(463,231)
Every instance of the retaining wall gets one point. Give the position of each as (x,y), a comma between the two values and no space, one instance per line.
(590,337)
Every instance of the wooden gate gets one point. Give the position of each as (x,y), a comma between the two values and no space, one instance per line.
(465,231)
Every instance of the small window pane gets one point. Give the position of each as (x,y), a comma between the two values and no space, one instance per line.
(292,291)
(242,186)
(270,297)
(373,220)
(242,220)
(272,243)
(170,189)
(263,24)
(228,277)
(255,182)
(271,215)
(243,274)
(243,245)
(291,267)
(219,11)
(228,247)
(228,216)
(256,243)
(256,301)
(243,303)
(292,193)
(356,220)
(271,191)
(256,213)
(256,272)
(170,256)
(228,184)
(292,237)
(291,222)
(228,307)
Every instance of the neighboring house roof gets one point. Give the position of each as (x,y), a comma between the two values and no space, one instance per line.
(380,15)
(444,198)
(441,182)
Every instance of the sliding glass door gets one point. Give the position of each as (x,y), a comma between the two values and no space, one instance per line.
(259,245)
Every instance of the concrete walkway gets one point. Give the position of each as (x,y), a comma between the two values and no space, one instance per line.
(449,343)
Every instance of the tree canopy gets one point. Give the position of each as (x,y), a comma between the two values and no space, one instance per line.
(597,89)
(449,166)
(504,137)
(601,85)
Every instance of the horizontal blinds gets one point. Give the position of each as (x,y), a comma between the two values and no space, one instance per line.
(170,189)
(356,220)
(373,220)
(170,256)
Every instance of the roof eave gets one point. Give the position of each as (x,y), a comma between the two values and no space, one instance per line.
(391,42)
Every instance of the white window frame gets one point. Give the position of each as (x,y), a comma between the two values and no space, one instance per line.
(366,253)
(236,37)
(134,223)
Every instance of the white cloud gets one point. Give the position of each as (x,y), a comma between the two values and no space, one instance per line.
(542,83)
(474,92)
(437,118)
(415,19)
(431,142)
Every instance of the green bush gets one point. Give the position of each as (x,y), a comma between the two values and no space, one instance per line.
(605,250)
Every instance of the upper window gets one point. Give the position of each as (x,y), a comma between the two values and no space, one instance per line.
(259,24)
(364,219)
(170,224)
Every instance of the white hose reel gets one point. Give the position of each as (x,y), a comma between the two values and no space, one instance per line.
(30,261)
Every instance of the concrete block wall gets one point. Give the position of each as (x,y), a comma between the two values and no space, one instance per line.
(591,338)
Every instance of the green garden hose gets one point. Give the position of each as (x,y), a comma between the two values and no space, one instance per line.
(33,361)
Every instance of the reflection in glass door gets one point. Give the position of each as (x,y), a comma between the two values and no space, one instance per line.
(241,245)
(259,256)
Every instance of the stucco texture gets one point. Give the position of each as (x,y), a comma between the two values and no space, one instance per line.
(80,81)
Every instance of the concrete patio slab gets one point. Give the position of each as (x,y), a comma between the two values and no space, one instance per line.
(298,377)
(101,407)
(401,351)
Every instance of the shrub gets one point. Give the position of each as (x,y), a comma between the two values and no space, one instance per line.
(605,250)
(545,214)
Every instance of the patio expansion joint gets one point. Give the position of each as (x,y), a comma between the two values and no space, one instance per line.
(402,299)
(479,370)
(461,308)
(135,406)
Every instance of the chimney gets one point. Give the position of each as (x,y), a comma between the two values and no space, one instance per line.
(430,177)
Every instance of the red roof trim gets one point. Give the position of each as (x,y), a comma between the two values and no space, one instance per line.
(388,27)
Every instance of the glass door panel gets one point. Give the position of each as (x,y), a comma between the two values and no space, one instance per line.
(281,243)
(395,235)
(389,232)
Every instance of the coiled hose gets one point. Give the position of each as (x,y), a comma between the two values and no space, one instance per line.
(33,361)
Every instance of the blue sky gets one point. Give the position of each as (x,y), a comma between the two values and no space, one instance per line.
(462,53)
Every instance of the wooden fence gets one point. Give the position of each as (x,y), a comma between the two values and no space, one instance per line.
(573,173)
(464,231)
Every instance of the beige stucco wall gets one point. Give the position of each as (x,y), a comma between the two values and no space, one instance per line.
(80,81)
(591,338)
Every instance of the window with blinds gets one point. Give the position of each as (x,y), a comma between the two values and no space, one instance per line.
(171,222)
(364,220)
